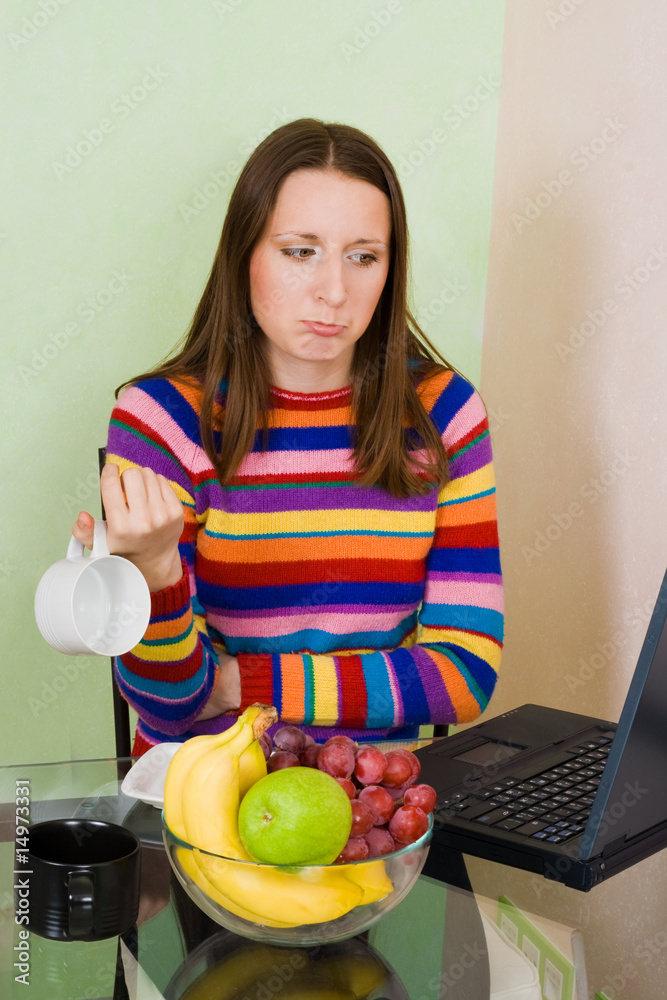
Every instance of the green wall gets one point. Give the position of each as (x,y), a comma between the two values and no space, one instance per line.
(125,127)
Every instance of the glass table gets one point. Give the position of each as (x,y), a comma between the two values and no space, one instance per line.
(516,936)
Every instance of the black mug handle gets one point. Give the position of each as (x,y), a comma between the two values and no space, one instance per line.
(80,895)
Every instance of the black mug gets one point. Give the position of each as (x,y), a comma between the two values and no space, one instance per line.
(82,879)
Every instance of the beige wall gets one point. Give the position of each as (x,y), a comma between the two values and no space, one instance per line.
(574,375)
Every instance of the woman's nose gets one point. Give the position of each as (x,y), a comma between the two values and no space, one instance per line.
(330,283)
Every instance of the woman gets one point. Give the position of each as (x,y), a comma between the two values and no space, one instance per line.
(306,488)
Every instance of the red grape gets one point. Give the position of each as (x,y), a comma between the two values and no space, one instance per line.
(356,849)
(379,841)
(309,754)
(398,770)
(398,793)
(362,818)
(414,763)
(347,787)
(290,738)
(265,743)
(408,824)
(336,759)
(280,759)
(369,765)
(421,795)
(308,740)
(343,740)
(379,801)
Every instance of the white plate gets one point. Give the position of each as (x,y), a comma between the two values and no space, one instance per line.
(145,780)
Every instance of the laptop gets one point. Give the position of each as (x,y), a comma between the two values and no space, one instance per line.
(570,797)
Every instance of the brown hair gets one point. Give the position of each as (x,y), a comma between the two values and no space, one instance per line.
(390,357)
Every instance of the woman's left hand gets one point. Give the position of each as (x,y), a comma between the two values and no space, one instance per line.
(226,693)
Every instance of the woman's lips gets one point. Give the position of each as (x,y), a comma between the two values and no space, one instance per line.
(323,329)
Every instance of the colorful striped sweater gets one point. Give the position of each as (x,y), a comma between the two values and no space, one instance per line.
(348,609)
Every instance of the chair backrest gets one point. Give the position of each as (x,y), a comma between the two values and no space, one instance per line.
(121,710)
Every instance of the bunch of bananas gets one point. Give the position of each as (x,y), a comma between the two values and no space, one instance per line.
(205,782)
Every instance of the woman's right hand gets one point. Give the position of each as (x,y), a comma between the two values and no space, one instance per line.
(144,523)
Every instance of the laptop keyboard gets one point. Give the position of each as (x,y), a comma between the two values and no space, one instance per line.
(552,805)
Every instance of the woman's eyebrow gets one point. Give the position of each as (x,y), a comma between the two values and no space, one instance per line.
(314,238)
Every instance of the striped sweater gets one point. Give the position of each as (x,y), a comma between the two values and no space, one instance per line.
(348,609)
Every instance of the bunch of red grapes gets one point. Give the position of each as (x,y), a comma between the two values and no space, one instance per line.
(389,810)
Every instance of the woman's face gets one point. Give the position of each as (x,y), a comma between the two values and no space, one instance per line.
(317,272)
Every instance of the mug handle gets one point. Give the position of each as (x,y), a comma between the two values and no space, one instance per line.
(80,898)
(100,547)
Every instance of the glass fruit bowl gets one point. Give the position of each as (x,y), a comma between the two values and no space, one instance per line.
(295,906)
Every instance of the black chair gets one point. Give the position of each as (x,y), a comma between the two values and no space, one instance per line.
(121,710)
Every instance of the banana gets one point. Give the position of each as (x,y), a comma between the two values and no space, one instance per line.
(372,879)
(188,863)
(211,793)
(252,767)
(288,897)
(179,768)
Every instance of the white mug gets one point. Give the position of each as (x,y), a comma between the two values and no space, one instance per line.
(97,604)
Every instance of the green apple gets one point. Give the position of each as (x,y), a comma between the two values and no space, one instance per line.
(295,816)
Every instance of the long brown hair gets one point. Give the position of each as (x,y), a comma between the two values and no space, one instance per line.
(225,342)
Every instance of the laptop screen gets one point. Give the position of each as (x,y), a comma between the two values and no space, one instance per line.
(632,796)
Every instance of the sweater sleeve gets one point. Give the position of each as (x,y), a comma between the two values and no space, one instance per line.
(449,673)
(168,677)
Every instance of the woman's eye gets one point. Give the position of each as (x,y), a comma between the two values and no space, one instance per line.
(297,253)
(370,259)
